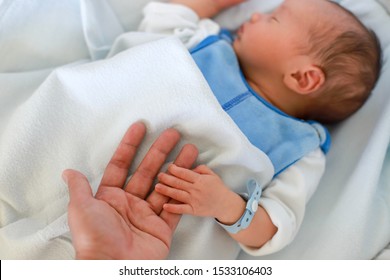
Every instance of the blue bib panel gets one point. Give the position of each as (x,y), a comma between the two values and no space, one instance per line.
(283,138)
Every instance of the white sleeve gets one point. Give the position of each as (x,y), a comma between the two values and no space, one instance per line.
(285,200)
(164,19)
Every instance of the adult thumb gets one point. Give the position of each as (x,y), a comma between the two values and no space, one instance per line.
(78,185)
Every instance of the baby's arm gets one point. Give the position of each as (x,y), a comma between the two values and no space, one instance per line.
(202,193)
(207,8)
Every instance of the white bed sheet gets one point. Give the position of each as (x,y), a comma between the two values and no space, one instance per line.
(348,217)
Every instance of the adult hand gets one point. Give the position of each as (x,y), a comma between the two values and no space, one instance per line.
(207,8)
(123,222)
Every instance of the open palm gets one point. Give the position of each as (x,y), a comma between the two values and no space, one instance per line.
(123,222)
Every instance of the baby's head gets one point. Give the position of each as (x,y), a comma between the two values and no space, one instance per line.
(350,57)
(311,58)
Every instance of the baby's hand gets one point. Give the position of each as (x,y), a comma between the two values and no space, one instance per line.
(200,191)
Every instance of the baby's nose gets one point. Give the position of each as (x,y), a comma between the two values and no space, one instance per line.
(255,17)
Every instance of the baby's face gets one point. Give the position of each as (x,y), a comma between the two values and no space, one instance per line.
(269,40)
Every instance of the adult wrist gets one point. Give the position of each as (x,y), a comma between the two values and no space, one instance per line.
(92,256)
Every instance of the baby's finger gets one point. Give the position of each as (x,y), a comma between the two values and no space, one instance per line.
(179,195)
(183,173)
(186,157)
(203,169)
(174,182)
(178,208)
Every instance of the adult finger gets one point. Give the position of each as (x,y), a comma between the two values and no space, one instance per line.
(79,187)
(171,219)
(186,158)
(142,179)
(117,169)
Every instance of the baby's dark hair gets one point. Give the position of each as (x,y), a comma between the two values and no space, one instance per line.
(350,56)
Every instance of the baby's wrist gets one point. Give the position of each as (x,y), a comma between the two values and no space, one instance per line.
(251,200)
(231,210)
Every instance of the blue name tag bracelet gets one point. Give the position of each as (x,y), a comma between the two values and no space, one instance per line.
(253,197)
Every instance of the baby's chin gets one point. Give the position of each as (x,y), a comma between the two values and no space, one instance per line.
(236,42)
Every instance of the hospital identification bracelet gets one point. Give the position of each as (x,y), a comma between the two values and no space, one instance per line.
(253,197)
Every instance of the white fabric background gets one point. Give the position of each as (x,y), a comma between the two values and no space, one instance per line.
(348,217)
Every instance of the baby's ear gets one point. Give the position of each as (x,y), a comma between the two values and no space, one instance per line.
(305,80)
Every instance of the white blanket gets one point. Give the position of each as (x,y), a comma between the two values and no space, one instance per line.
(76,118)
